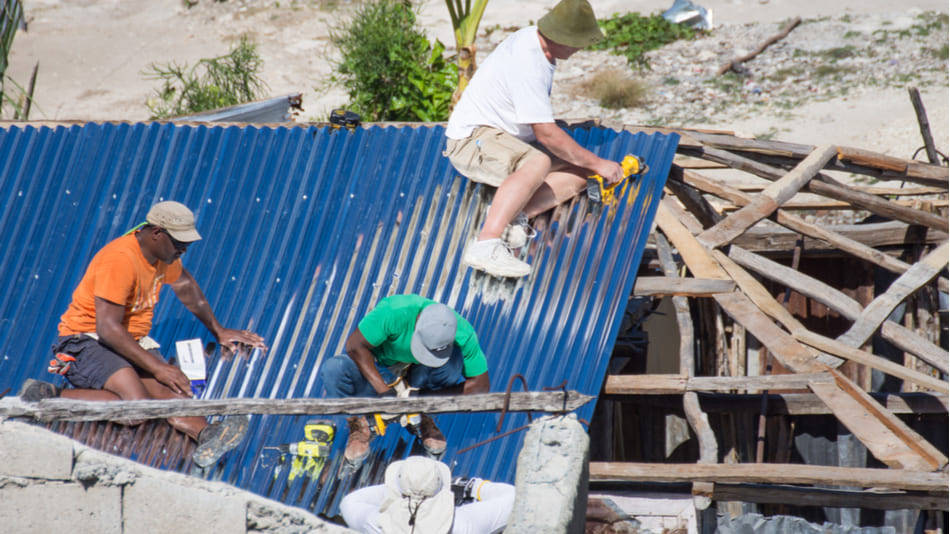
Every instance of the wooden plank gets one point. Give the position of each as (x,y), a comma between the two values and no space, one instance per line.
(73,410)
(906,434)
(795,223)
(792,403)
(692,287)
(783,346)
(869,189)
(825,475)
(655,384)
(863,422)
(792,354)
(690,162)
(769,200)
(698,262)
(799,496)
(764,301)
(645,384)
(906,284)
(804,204)
(826,186)
(798,281)
(918,172)
(899,335)
(916,344)
(875,362)
(874,235)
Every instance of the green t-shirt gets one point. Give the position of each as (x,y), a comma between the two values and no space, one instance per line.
(389,327)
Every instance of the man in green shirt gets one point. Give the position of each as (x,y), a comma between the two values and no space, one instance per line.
(429,345)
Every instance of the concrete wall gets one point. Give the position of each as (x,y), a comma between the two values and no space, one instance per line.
(551,479)
(50,483)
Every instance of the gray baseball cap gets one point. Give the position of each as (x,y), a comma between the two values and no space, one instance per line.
(434,336)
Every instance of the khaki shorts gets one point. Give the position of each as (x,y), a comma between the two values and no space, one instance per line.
(490,155)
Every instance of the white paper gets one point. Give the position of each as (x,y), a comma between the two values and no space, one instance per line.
(191,358)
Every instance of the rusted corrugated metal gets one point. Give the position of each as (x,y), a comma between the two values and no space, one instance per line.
(305,230)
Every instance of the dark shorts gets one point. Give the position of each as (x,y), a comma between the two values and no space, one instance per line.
(94,364)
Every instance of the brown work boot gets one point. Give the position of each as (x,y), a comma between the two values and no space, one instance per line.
(219,438)
(357,443)
(432,439)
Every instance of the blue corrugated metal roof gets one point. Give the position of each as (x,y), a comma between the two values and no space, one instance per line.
(305,229)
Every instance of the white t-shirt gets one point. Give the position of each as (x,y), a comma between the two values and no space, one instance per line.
(360,510)
(510,91)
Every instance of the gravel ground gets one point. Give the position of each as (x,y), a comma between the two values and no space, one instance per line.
(821,59)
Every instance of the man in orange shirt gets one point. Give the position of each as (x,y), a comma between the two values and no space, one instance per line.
(106,326)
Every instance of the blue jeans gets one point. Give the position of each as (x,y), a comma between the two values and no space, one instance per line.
(342,378)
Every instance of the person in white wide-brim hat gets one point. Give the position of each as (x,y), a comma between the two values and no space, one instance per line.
(419,497)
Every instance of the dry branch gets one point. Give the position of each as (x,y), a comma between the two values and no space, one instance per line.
(765,44)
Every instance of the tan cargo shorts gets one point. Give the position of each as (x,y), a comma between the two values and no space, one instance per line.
(489,155)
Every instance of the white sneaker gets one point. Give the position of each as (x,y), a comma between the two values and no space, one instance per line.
(518,232)
(493,257)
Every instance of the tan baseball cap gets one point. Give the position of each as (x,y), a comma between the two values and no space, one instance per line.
(176,219)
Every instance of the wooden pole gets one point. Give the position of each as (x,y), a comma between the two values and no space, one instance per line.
(72,410)
(924,124)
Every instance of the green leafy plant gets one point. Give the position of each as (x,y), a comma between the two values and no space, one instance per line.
(390,70)
(632,35)
(211,83)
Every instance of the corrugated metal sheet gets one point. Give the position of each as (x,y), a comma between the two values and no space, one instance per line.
(305,230)
(271,110)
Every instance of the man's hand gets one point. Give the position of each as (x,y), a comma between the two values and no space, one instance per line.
(239,341)
(611,171)
(171,376)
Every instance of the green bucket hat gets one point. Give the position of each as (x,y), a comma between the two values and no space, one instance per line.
(571,23)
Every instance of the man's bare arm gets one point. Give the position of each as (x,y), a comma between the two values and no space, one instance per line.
(111,332)
(563,146)
(188,291)
(360,351)
(476,384)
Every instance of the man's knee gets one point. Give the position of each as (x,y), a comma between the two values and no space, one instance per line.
(127,385)
(337,376)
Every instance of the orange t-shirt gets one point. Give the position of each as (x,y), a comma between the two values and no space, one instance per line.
(120,274)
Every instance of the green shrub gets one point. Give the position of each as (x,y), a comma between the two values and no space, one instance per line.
(633,35)
(390,70)
(210,84)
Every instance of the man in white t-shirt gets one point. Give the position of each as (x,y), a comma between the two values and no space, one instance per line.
(502,133)
(419,496)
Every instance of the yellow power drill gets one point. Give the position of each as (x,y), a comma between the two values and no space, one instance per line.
(601,193)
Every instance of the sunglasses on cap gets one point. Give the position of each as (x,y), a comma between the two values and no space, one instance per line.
(180,246)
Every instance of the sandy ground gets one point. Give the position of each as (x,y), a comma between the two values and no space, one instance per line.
(92,54)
